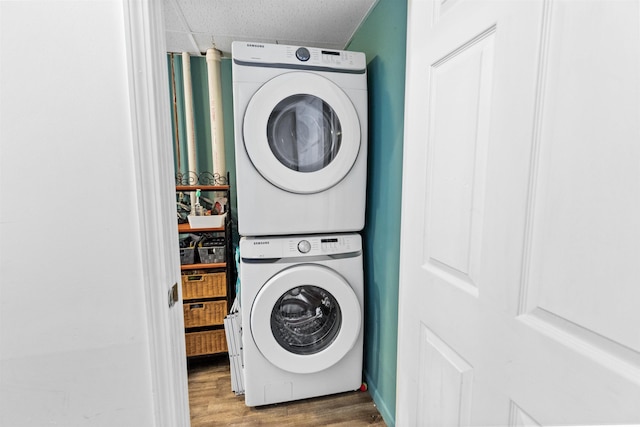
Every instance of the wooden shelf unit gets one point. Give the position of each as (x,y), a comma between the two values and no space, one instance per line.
(201,266)
(189,188)
(186,228)
(206,302)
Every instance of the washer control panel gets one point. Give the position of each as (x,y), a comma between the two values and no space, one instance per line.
(323,245)
(299,246)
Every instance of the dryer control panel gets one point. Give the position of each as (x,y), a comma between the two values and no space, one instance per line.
(299,246)
(264,54)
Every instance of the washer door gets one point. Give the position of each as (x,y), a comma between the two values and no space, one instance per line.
(301,132)
(305,319)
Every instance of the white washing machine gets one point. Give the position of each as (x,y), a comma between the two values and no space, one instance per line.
(300,119)
(302,316)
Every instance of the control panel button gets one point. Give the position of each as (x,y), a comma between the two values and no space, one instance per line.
(303,54)
(304,246)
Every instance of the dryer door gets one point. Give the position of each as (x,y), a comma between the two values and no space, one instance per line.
(305,319)
(301,132)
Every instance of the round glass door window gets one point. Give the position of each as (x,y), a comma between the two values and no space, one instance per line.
(306,320)
(304,133)
(301,132)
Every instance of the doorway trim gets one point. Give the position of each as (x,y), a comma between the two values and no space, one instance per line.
(151,144)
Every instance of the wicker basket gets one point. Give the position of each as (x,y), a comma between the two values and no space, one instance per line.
(205,285)
(207,342)
(204,313)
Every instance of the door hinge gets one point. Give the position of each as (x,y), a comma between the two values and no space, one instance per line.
(173,295)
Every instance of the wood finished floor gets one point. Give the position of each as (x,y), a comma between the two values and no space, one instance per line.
(212,403)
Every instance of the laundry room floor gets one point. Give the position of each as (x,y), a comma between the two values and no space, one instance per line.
(212,403)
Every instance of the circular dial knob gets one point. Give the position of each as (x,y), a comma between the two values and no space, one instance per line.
(303,54)
(304,246)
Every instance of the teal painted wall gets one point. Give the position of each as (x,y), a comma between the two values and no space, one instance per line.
(383,38)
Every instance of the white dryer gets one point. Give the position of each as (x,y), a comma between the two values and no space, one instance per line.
(300,118)
(302,316)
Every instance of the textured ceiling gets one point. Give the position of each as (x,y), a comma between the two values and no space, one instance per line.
(197,25)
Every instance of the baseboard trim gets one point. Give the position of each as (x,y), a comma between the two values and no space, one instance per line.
(389,418)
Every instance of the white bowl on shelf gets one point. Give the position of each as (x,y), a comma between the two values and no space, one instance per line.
(206,221)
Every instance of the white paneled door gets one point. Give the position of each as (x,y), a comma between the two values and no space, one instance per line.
(520,262)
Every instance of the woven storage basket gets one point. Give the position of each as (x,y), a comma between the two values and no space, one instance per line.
(207,342)
(205,285)
(204,313)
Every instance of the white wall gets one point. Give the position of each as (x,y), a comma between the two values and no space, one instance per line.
(74,344)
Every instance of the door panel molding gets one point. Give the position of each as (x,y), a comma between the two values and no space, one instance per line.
(460,86)
(442,7)
(574,188)
(535,155)
(519,418)
(446,399)
(616,357)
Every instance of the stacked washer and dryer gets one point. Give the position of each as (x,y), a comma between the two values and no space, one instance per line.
(301,164)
